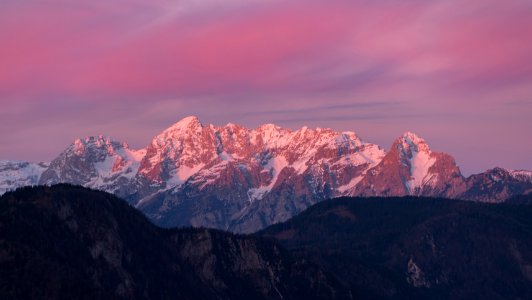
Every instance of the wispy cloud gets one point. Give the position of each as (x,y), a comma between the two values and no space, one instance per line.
(103,65)
(326,108)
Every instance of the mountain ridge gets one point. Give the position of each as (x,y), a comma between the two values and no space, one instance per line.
(68,241)
(417,248)
(235,178)
(71,242)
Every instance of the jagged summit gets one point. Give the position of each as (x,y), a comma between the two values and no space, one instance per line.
(268,127)
(190,124)
(411,142)
(412,137)
(264,133)
(95,161)
(79,145)
(185,122)
(233,125)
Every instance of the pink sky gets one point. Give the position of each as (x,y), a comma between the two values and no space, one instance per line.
(458,73)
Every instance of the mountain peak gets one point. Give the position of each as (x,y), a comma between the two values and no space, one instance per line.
(96,142)
(269,127)
(412,137)
(189,119)
(411,142)
(232,125)
(187,125)
(186,122)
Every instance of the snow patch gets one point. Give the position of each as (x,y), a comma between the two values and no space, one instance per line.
(420,164)
(360,158)
(180,176)
(207,176)
(105,167)
(521,175)
(351,185)
(275,165)
(301,165)
(118,162)
(224,156)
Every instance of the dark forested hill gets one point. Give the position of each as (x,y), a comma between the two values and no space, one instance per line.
(67,242)
(418,247)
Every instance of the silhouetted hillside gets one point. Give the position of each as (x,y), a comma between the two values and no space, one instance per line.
(68,242)
(418,247)
(521,199)
(65,242)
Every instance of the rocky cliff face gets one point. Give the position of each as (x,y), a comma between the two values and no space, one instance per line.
(411,168)
(232,177)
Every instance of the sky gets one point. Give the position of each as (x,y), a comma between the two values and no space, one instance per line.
(457,73)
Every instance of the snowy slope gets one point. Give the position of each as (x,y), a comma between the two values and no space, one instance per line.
(95,162)
(420,159)
(521,175)
(14,174)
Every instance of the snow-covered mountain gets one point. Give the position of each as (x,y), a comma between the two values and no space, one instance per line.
(411,168)
(241,179)
(497,185)
(95,162)
(14,174)
(231,176)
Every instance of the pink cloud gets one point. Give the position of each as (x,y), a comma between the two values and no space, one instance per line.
(268,48)
(268,56)
(232,49)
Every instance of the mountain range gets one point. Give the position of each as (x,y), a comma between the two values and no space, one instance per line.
(239,179)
